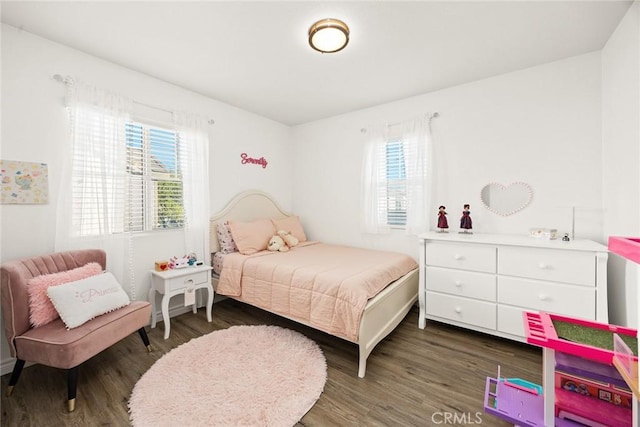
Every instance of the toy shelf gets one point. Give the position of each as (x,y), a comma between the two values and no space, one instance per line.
(629,248)
(541,331)
(518,406)
(523,408)
(591,341)
(630,379)
(626,364)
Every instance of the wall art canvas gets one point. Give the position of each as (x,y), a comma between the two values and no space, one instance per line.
(24,183)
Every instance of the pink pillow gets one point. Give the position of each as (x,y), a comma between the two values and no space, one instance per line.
(252,237)
(41,311)
(292,225)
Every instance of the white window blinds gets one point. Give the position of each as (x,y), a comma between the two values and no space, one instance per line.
(138,188)
(154,178)
(394,195)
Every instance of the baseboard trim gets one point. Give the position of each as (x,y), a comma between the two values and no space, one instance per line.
(7,366)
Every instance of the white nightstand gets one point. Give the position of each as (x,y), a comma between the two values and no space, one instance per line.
(176,282)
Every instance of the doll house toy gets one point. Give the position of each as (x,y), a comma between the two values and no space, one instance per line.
(581,387)
(515,400)
(581,384)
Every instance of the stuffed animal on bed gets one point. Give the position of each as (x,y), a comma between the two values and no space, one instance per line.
(276,243)
(288,238)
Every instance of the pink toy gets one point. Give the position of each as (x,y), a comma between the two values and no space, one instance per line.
(515,400)
(589,387)
(569,405)
(590,412)
(540,331)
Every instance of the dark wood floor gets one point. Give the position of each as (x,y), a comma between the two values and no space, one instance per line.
(414,377)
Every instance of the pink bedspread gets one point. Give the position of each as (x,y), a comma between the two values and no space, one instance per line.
(325,286)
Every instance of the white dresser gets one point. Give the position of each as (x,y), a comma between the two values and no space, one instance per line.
(485,281)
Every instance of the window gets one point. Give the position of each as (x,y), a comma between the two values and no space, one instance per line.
(126,176)
(154,179)
(395,193)
(130,175)
(394,178)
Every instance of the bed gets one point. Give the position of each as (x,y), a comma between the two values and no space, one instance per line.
(373,318)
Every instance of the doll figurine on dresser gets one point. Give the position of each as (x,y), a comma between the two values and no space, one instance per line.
(465,220)
(442,220)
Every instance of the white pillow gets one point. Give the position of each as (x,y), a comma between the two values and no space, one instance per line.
(80,301)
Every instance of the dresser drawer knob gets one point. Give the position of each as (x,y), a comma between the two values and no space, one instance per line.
(458,283)
(543,266)
(458,257)
(458,310)
(543,297)
(188,282)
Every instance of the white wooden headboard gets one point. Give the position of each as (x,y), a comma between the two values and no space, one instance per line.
(246,206)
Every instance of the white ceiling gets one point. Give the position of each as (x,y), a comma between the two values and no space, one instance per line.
(254,55)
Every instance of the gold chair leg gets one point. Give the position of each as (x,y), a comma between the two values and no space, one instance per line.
(9,390)
(71,405)
(149,349)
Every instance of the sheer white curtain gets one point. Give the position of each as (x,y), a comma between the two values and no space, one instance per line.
(91,202)
(416,144)
(374,216)
(194,158)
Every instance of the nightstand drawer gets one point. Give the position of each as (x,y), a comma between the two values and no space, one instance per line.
(472,312)
(578,301)
(461,283)
(186,281)
(578,268)
(465,257)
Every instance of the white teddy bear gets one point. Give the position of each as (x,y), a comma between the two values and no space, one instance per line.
(288,238)
(276,243)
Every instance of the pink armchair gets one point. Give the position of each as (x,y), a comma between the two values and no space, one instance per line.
(52,344)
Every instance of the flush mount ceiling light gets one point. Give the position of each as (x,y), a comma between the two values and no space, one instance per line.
(328,35)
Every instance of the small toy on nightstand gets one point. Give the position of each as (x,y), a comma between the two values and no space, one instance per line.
(465,220)
(175,262)
(442,220)
(193,259)
(566,238)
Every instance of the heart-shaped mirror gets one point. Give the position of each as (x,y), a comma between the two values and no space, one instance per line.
(506,199)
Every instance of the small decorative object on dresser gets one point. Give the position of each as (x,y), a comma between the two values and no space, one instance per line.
(543,233)
(485,283)
(443,224)
(465,220)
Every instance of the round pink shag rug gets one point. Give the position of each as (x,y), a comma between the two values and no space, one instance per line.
(243,375)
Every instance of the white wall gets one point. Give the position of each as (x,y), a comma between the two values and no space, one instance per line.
(621,158)
(34,127)
(541,125)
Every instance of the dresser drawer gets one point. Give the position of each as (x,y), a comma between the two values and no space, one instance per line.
(186,281)
(578,268)
(480,258)
(578,301)
(511,321)
(472,312)
(461,283)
